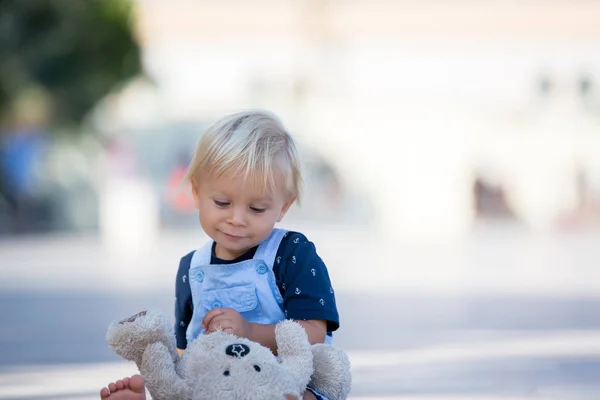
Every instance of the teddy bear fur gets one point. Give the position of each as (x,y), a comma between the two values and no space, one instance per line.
(221,365)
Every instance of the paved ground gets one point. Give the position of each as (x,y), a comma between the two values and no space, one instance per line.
(503,316)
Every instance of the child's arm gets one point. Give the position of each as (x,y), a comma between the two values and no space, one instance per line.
(231,321)
(265,334)
(316,330)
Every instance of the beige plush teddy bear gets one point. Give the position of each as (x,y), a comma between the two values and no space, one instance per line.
(223,366)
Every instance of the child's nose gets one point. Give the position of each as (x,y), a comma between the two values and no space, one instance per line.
(237,216)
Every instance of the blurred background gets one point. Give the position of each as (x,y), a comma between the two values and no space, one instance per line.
(452,180)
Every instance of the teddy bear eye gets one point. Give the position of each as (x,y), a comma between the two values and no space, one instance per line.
(226,373)
(257,368)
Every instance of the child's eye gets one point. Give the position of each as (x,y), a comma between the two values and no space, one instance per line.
(257,210)
(221,203)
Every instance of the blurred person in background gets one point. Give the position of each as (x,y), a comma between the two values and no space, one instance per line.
(245,174)
(178,199)
(23,149)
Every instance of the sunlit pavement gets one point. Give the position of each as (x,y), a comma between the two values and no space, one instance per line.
(506,315)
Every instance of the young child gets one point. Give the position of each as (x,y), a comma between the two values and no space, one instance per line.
(244,176)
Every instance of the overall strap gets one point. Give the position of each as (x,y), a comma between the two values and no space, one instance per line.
(267,250)
(202,255)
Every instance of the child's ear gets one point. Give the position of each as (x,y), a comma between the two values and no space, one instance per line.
(286,207)
(195,192)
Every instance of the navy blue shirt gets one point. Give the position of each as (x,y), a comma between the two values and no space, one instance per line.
(296,266)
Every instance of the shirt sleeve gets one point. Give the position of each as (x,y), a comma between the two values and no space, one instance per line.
(304,282)
(183,301)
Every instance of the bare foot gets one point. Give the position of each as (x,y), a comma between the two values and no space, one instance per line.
(127,389)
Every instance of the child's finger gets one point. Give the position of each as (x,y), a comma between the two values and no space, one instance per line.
(210,315)
(220,323)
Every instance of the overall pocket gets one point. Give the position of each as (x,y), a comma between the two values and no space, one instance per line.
(242,299)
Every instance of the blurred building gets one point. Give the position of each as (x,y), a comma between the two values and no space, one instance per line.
(440,112)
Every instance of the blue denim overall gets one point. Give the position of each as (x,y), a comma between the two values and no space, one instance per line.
(248,287)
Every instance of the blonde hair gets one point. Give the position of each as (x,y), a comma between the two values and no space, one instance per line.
(250,143)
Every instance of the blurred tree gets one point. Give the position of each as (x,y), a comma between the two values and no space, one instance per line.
(74,51)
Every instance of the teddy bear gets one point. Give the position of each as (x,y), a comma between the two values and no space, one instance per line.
(222,366)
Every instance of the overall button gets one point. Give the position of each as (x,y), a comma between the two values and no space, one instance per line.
(200,276)
(216,304)
(261,269)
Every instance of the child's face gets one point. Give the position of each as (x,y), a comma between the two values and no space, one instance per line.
(239,214)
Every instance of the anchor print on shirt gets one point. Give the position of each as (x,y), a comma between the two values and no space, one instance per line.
(297,291)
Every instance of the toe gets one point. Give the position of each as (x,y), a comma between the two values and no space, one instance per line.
(136,384)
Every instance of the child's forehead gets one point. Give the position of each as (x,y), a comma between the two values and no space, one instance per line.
(255,183)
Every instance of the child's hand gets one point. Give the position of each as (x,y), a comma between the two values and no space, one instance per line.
(227,320)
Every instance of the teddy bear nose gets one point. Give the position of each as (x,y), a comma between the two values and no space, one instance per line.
(238,350)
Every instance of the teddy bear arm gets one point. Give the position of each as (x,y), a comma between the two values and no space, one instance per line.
(162,380)
(130,337)
(331,376)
